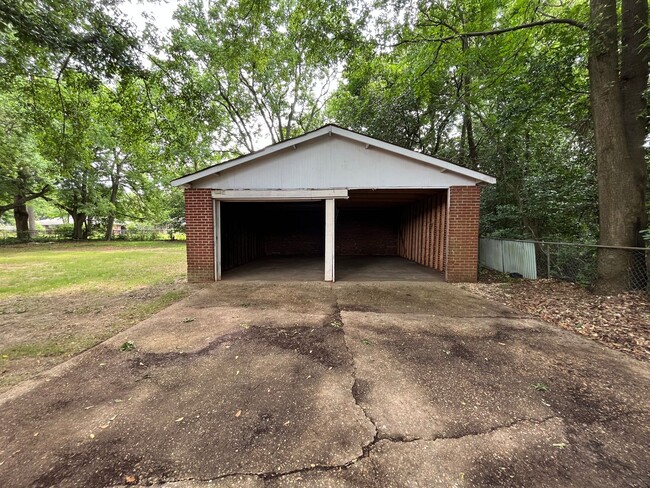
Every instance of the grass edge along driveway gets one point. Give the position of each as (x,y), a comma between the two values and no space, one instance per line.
(59,299)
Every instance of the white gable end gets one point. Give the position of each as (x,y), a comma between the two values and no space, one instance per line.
(333,162)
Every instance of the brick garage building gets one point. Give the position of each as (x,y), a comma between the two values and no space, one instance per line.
(329,194)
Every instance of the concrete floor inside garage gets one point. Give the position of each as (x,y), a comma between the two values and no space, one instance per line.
(348,268)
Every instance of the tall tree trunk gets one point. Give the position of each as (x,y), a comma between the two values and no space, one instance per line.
(115,188)
(634,82)
(21,216)
(108,235)
(78,219)
(621,179)
(468,128)
(31,221)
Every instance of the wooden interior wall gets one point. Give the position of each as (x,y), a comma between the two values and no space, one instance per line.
(422,232)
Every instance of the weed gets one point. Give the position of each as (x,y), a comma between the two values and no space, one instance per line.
(127,346)
(541,387)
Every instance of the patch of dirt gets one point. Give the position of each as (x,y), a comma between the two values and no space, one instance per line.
(38,332)
(620,322)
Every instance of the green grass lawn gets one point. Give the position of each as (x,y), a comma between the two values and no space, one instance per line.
(57,267)
(59,299)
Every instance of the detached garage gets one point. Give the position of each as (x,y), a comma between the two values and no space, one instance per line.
(333,204)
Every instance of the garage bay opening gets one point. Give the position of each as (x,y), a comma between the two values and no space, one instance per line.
(273,240)
(391,235)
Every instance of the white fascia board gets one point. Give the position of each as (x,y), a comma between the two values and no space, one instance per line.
(258,154)
(444,165)
(277,195)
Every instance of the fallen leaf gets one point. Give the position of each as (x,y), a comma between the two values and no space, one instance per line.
(179,419)
(238,414)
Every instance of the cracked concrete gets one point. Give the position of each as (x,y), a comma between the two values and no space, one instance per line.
(313,384)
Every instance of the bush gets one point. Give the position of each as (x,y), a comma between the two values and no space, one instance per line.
(63,231)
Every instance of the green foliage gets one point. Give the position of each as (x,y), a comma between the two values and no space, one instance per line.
(108,136)
(255,70)
(83,119)
(90,35)
(24,169)
(513,105)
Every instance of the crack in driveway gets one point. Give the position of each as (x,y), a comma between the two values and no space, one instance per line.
(367,452)
(366,449)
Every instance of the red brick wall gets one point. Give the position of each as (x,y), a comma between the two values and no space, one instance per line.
(294,229)
(367,231)
(199,228)
(462,234)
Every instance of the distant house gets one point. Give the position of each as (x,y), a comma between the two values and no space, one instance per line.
(51,225)
(119,229)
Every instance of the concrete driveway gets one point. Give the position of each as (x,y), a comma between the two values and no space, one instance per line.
(313,384)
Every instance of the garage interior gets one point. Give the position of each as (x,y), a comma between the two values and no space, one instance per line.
(380,235)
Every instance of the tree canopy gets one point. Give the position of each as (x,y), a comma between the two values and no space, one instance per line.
(97,117)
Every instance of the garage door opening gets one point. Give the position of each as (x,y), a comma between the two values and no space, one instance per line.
(391,235)
(272,240)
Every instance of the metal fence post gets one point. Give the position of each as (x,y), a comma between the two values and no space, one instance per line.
(548,260)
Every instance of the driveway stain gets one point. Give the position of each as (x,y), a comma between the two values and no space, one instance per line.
(391,384)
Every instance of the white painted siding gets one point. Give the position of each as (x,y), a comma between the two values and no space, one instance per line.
(333,162)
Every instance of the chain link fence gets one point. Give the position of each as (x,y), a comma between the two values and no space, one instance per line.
(574,262)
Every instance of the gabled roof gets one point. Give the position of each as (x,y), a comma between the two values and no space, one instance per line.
(339,131)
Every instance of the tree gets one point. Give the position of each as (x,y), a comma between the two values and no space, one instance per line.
(618,72)
(620,121)
(257,70)
(23,166)
(44,44)
(526,95)
(89,35)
